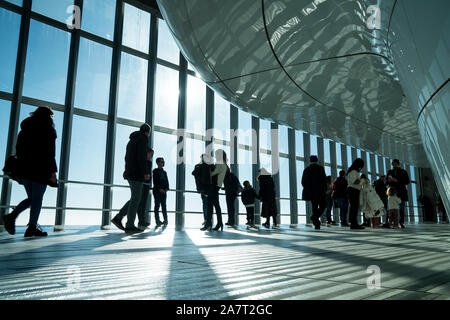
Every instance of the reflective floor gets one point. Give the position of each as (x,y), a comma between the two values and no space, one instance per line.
(86,263)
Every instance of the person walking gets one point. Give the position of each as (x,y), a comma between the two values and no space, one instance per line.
(399,179)
(160,188)
(314,186)
(380,189)
(202,175)
(248,197)
(35,151)
(232,189)
(329,200)
(340,196)
(354,189)
(142,211)
(136,173)
(267,196)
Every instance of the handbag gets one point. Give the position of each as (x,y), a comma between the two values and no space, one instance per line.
(12,169)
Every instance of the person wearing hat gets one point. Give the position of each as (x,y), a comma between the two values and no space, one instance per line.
(314,182)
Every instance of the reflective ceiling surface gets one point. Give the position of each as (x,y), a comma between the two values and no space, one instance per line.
(311,65)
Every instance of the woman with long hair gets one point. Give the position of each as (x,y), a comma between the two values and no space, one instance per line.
(35,151)
(354,189)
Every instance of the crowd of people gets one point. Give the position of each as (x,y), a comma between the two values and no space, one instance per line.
(351,192)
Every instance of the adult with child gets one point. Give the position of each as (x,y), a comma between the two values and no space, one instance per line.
(142,211)
(160,189)
(380,188)
(232,189)
(35,151)
(314,186)
(267,196)
(353,190)
(248,197)
(340,196)
(371,205)
(399,179)
(137,172)
(202,175)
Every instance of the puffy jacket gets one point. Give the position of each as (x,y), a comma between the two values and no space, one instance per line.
(248,196)
(136,165)
(35,150)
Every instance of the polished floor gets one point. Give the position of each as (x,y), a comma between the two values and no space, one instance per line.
(87,263)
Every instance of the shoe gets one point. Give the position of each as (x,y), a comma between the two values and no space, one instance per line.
(10,224)
(159,224)
(275,226)
(228,224)
(34,231)
(118,224)
(402,225)
(206,227)
(217,227)
(165,223)
(266,225)
(356,227)
(132,230)
(142,228)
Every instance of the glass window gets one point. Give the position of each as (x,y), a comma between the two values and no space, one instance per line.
(368,164)
(358,153)
(284,178)
(122,138)
(132,88)
(377,169)
(299,149)
(136,28)
(349,156)
(5,110)
(16,2)
(313,145)
(326,148)
(87,150)
(265,161)
(338,154)
(245,165)
(194,149)
(56,9)
(265,142)
(283,139)
(196,106)
(9,38)
(47,63)
(85,196)
(328,170)
(166,97)
(82,217)
(221,118)
(93,76)
(245,127)
(99,17)
(167,48)
(301,212)
(300,169)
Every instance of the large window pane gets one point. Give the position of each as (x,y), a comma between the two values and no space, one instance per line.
(300,168)
(167,48)
(338,154)
(136,28)
(47,63)
(5,109)
(122,139)
(283,144)
(55,9)
(313,146)
(16,2)
(221,118)
(98,17)
(196,106)
(93,79)
(326,150)
(194,149)
(132,88)
(265,135)
(87,153)
(299,149)
(9,39)
(166,97)
(284,178)
(245,127)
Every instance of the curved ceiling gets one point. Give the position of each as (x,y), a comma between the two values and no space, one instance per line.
(311,65)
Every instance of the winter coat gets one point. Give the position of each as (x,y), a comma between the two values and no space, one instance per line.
(339,188)
(380,188)
(35,150)
(266,188)
(160,180)
(369,201)
(231,184)
(314,183)
(202,175)
(248,196)
(136,166)
(403,180)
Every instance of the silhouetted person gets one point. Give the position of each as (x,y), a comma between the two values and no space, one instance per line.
(314,186)
(399,179)
(202,175)
(393,203)
(136,173)
(428,214)
(248,197)
(142,212)
(353,190)
(160,188)
(329,200)
(340,196)
(35,151)
(267,197)
(232,188)
(380,188)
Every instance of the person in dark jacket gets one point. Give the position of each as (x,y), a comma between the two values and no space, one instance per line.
(267,197)
(340,196)
(35,151)
(314,186)
(381,190)
(232,187)
(137,173)
(399,179)
(142,211)
(248,197)
(427,207)
(160,188)
(202,175)
(353,191)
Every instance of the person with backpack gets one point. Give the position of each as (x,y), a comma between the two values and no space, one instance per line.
(340,196)
(248,197)
(232,188)
(202,175)
(35,151)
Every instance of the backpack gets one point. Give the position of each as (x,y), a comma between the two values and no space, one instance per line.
(12,169)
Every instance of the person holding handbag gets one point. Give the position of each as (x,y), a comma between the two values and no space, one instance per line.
(35,150)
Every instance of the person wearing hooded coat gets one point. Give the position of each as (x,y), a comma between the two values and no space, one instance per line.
(267,197)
